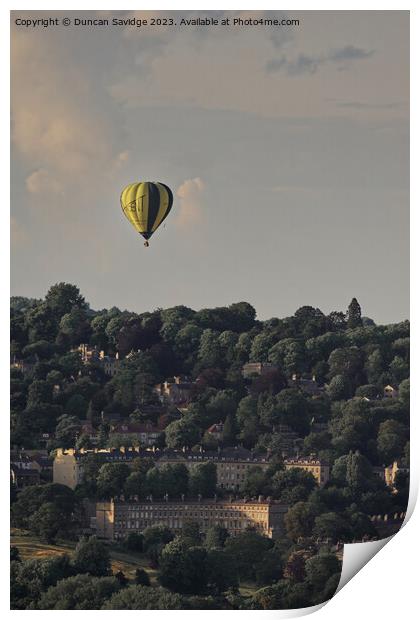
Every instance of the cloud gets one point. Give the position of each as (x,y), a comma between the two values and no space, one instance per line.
(60,126)
(18,236)
(305,64)
(190,208)
(359,105)
(41,181)
(349,52)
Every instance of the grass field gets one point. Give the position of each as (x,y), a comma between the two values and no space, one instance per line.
(32,547)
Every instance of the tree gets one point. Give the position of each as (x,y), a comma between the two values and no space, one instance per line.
(79,592)
(255,482)
(374,366)
(62,298)
(183,569)
(141,577)
(347,361)
(216,536)
(29,579)
(221,572)
(392,437)
(295,566)
(229,430)
(270,569)
(320,568)
(289,407)
(247,420)
(247,550)
(74,327)
(399,369)
(143,597)
(135,484)
(203,479)
(354,314)
(404,391)
(111,479)
(46,521)
(292,485)
(92,556)
(299,520)
(67,428)
(39,392)
(339,388)
(134,542)
(331,526)
(121,578)
(31,499)
(157,535)
(358,470)
(182,433)
(190,534)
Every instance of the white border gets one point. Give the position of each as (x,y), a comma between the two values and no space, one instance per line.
(385,587)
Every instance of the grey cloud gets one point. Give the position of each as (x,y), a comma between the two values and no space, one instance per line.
(305,64)
(349,52)
(375,106)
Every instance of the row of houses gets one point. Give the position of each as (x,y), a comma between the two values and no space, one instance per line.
(28,468)
(117,518)
(232,464)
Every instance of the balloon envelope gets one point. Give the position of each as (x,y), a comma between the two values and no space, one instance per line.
(146,205)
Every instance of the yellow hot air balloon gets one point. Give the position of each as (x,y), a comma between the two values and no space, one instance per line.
(146,205)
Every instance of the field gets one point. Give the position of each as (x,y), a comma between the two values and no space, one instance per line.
(32,547)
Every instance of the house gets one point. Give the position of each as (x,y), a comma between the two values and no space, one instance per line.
(22,477)
(109,363)
(25,367)
(319,469)
(390,472)
(287,440)
(32,460)
(390,391)
(144,434)
(252,369)
(86,428)
(309,386)
(119,517)
(176,391)
(231,464)
(215,431)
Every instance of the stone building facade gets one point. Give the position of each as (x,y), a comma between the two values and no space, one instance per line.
(117,518)
(231,463)
(319,469)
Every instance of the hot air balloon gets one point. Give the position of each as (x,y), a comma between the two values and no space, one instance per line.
(146,205)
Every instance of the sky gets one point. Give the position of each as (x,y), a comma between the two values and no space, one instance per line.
(287,150)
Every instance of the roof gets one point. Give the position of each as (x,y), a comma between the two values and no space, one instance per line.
(216,428)
(169,455)
(130,427)
(225,454)
(204,501)
(303,461)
